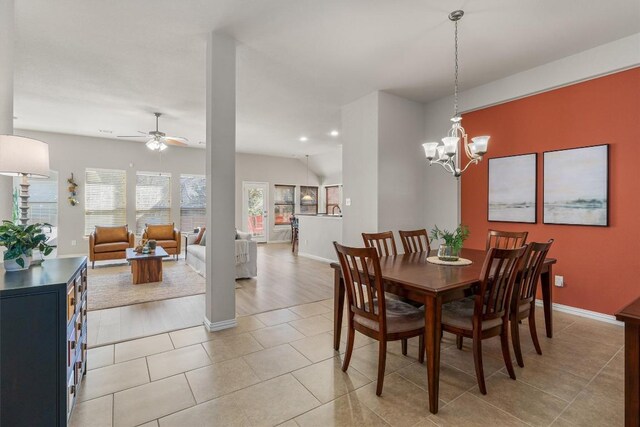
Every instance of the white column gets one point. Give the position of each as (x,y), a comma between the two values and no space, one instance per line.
(6,95)
(220,311)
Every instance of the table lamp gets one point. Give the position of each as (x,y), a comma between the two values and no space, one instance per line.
(25,157)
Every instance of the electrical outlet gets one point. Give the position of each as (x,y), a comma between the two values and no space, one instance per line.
(73,243)
(559,281)
(347,201)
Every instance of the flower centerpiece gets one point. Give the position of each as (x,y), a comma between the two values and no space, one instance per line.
(20,241)
(453,241)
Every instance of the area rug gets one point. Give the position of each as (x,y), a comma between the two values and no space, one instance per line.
(111,286)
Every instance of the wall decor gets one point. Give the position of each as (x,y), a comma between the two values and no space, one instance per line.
(73,191)
(576,186)
(512,188)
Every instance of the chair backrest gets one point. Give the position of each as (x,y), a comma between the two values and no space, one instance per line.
(530,272)
(384,242)
(506,239)
(363,281)
(415,241)
(497,279)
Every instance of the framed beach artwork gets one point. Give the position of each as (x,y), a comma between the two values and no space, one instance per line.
(512,188)
(576,186)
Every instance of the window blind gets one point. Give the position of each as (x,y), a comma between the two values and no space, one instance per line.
(153,199)
(105,198)
(333,198)
(193,202)
(308,206)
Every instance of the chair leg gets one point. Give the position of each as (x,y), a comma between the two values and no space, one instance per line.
(404,346)
(459,339)
(93,265)
(351,335)
(515,339)
(421,349)
(382,360)
(506,354)
(534,333)
(477,360)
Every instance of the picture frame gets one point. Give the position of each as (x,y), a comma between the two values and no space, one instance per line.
(576,186)
(513,188)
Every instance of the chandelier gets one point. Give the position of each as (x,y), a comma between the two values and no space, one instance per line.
(447,155)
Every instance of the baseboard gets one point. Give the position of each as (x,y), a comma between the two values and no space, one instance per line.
(280,241)
(218,326)
(607,318)
(315,257)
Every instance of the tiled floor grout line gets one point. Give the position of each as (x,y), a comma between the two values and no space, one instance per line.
(586,386)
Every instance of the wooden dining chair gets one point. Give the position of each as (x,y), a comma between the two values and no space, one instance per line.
(384,242)
(486,315)
(370,312)
(415,241)
(506,239)
(523,303)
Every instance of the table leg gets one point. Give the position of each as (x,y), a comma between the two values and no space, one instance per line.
(338,307)
(632,374)
(432,316)
(547,290)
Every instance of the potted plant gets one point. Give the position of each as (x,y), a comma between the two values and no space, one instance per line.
(450,249)
(20,241)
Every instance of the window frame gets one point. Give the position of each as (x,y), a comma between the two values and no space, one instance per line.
(123,209)
(139,213)
(327,205)
(276,204)
(182,208)
(307,204)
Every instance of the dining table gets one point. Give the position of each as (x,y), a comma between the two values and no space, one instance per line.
(413,277)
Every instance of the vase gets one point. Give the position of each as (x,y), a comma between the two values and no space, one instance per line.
(12,265)
(448,253)
(152,244)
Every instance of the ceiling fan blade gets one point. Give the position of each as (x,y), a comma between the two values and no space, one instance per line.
(171,140)
(144,133)
(133,136)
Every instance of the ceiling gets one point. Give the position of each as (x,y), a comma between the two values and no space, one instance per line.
(100,68)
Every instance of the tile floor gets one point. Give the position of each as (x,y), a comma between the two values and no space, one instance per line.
(279,368)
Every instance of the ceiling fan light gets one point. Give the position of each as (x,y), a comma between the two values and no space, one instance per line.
(162,146)
(151,144)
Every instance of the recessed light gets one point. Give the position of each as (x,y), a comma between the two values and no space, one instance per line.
(303,139)
(334,133)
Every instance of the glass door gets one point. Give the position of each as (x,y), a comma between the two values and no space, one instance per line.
(255,205)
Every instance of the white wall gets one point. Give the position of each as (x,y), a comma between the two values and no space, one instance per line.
(274,170)
(316,237)
(73,153)
(360,168)
(442,190)
(400,164)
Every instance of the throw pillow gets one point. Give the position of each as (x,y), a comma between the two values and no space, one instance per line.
(203,241)
(199,236)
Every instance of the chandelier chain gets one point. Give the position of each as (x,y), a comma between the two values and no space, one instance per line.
(455,87)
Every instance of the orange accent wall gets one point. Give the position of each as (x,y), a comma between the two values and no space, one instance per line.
(600,265)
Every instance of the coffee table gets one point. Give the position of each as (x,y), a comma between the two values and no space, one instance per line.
(146,268)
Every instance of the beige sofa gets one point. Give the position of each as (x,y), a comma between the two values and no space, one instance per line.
(195,256)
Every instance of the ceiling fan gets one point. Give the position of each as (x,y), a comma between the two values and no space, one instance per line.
(159,140)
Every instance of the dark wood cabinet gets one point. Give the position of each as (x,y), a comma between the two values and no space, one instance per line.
(630,315)
(43,341)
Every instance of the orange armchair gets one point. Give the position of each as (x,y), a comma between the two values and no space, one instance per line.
(109,243)
(166,236)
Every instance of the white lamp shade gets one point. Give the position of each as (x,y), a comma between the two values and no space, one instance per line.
(430,149)
(450,144)
(23,156)
(481,144)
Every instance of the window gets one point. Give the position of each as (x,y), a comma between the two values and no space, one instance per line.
(43,200)
(193,202)
(153,199)
(333,199)
(105,198)
(310,205)
(285,203)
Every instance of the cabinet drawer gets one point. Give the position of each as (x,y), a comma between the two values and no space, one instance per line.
(71,302)
(71,392)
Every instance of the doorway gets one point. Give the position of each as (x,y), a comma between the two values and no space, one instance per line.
(255,205)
